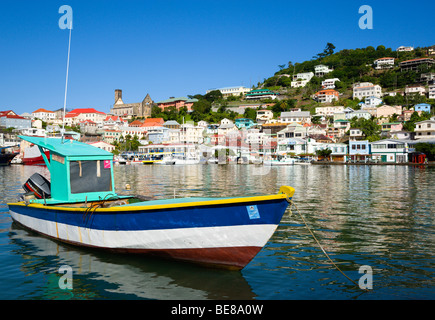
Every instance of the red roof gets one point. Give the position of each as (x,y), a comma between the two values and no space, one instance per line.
(136,123)
(158,120)
(13,116)
(5,113)
(71,115)
(327,91)
(153,122)
(114,118)
(42,110)
(417,59)
(86,110)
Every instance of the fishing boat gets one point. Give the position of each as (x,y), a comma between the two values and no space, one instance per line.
(32,155)
(78,204)
(6,157)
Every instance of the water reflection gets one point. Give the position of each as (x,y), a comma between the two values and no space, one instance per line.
(99,275)
(381,216)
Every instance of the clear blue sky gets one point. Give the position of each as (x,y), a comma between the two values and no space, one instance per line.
(180,48)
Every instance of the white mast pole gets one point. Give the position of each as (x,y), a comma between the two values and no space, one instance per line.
(66,82)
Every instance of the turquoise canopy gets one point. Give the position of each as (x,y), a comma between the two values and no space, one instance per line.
(79,171)
(67,147)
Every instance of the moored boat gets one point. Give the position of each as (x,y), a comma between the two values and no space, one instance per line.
(6,157)
(285,161)
(32,156)
(81,207)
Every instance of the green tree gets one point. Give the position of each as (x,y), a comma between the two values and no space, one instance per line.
(428,149)
(213,96)
(250,114)
(369,127)
(415,117)
(325,153)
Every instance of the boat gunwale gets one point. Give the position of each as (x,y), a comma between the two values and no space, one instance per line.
(129,208)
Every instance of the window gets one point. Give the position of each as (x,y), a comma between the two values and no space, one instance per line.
(90,176)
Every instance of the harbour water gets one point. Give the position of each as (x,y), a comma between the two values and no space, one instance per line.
(376,216)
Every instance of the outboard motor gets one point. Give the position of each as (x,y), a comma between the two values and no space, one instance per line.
(38,185)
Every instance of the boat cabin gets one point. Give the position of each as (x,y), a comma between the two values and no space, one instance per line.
(79,172)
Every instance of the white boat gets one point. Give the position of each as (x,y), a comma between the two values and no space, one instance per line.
(17,160)
(213,161)
(167,160)
(303,161)
(282,162)
(187,158)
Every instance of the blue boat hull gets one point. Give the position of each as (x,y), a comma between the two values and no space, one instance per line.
(226,235)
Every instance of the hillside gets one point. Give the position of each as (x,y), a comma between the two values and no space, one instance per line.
(350,66)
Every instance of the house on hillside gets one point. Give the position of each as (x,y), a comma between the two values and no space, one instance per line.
(328,111)
(359,114)
(422,107)
(372,101)
(366,89)
(264,115)
(231,91)
(387,111)
(295,116)
(329,83)
(326,96)
(44,115)
(320,70)
(414,64)
(260,94)
(301,79)
(405,49)
(356,134)
(244,123)
(425,129)
(391,127)
(178,103)
(384,63)
(415,89)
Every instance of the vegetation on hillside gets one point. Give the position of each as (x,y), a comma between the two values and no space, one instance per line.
(349,65)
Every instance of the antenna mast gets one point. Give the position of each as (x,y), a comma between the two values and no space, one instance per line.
(66,82)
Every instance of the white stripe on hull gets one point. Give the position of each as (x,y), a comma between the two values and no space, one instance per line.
(182,238)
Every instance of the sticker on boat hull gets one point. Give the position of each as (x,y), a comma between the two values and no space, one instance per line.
(253,212)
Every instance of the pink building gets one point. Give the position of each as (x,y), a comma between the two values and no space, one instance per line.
(177,103)
(387,111)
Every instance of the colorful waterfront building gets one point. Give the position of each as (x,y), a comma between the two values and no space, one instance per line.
(244,123)
(359,150)
(389,150)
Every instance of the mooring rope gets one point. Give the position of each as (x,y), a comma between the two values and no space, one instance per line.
(306,225)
